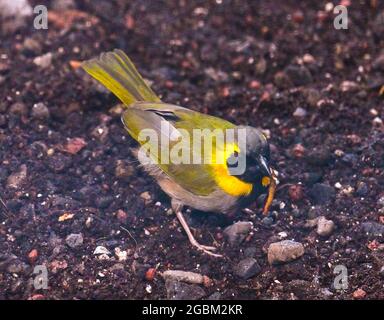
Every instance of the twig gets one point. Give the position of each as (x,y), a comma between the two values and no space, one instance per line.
(6,211)
(130,234)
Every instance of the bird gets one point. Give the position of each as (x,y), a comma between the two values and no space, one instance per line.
(213,184)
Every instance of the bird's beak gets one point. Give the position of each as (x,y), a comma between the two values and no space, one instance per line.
(268,172)
(265,169)
(271,195)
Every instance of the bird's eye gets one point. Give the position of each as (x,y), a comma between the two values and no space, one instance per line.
(233,160)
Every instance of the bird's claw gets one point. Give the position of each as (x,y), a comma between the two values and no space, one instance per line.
(207,249)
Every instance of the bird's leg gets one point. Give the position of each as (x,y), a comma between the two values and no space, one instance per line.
(177,208)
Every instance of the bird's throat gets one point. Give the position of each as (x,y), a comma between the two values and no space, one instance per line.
(230,184)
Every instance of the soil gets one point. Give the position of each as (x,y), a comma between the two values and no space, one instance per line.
(67,168)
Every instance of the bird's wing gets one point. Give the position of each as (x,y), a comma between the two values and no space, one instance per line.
(170,122)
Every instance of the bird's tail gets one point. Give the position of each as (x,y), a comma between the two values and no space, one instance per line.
(117,73)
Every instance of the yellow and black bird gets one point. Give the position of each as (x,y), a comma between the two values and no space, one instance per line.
(208,186)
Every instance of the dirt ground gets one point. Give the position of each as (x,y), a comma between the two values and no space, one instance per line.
(66,167)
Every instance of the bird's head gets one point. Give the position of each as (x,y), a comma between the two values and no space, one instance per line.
(250,162)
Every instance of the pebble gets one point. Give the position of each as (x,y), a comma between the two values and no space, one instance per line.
(17,179)
(312,96)
(298,151)
(261,66)
(237,232)
(282,80)
(319,156)
(43,61)
(145,196)
(296,192)
(308,58)
(267,221)
(247,268)
(380,201)
(300,112)
(322,193)
(377,121)
(3,119)
(123,169)
(74,145)
(312,177)
(359,294)
(30,45)
(59,163)
(181,291)
(101,250)
(284,251)
(98,169)
(374,229)
(121,255)
(298,16)
(299,75)
(18,108)
(74,240)
(350,158)
(362,189)
(15,8)
(378,63)
(301,288)
(381,272)
(64,202)
(40,111)
(347,86)
(122,216)
(324,227)
(150,274)
(103,202)
(32,256)
(216,75)
(101,133)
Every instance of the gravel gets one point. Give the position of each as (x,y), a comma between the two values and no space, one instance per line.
(237,232)
(17,179)
(40,111)
(374,229)
(182,291)
(284,251)
(247,268)
(74,240)
(324,227)
(322,193)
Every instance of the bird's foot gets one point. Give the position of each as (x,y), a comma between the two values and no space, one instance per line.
(193,241)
